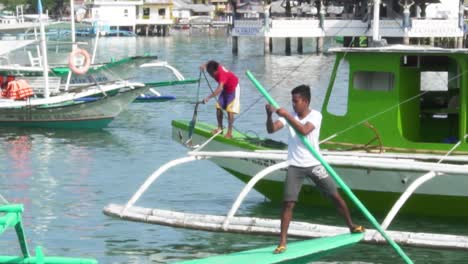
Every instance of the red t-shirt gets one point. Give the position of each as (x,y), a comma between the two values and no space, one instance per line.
(228,78)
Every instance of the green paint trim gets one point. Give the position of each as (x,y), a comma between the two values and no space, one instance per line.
(332,82)
(97,123)
(171,83)
(238,139)
(45,260)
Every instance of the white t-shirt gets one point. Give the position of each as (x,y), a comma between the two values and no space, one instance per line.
(298,154)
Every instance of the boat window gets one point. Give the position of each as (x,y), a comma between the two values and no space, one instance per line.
(434,81)
(338,102)
(125,12)
(374,81)
(439,107)
(146,13)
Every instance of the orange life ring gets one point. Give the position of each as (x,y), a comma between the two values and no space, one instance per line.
(82,69)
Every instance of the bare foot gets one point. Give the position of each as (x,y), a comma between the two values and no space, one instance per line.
(216,130)
(357,229)
(228,135)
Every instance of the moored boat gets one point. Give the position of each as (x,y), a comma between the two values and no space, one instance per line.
(395,114)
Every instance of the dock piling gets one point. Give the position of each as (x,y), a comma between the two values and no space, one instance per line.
(235,43)
(287,48)
(319,45)
(300,48)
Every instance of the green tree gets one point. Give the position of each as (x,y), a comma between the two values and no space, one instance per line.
(11,4)
(55,7)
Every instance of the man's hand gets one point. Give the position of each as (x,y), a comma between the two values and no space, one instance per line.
(269,109)
(282,112)
(203,67)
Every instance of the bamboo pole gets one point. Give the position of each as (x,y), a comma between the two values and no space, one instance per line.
(335,176)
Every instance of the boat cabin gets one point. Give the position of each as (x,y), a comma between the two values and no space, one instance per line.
(397,98)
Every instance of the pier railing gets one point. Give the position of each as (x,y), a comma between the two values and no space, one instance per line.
(310,27)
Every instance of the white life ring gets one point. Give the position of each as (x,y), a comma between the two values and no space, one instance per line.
(84,67)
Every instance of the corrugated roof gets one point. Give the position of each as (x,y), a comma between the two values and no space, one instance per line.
(161,2)
(198,8)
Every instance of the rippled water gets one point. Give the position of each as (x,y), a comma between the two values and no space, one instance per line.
(64,178)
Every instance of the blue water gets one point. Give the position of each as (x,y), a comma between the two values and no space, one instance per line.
(65,178)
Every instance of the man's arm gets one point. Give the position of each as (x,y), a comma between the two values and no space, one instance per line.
(203,66)
(271,126)
(215,93)
(304,129)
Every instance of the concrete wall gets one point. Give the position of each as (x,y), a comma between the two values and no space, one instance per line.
(154,12)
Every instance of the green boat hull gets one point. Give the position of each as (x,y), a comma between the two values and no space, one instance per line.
(70,124)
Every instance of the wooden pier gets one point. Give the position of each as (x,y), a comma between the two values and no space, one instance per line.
(394,28)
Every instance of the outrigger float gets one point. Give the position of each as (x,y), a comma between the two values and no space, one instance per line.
(10,216)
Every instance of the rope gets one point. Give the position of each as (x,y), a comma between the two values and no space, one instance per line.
(3,200)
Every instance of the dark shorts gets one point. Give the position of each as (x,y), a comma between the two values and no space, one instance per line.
(225,99)
(296,175)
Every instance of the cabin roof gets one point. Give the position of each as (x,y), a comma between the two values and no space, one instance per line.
(400,49)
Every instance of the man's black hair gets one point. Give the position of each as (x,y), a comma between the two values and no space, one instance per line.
(303,90)
(212,66)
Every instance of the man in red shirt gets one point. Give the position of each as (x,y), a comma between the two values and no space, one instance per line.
(228,91)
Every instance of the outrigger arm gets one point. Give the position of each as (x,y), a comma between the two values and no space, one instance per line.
(249,187)
(153,177)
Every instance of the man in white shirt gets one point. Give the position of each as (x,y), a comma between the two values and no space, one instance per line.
(301,161)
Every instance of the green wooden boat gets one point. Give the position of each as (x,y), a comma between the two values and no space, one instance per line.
(391,115)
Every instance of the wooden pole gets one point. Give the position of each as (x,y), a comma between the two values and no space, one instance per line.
(319,45)
(266,45)
(271,45)
(299,45)
(287,48)
(235,43)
